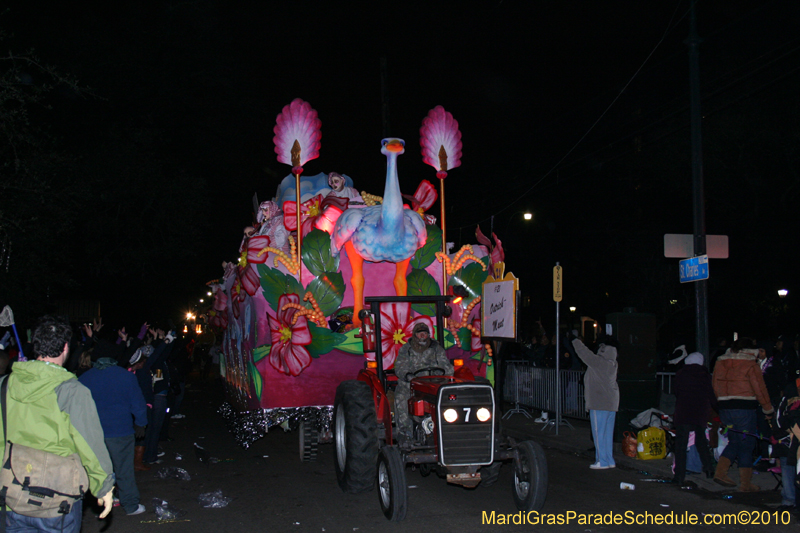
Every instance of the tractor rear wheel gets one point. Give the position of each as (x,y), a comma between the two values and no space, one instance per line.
(355,436)
(392,488)
(309,440)
(530,483)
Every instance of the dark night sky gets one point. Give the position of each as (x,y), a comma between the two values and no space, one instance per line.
(526,80)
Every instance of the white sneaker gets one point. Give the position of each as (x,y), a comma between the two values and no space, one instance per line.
(544,419)
(139,510)
(178,416)
(598,466)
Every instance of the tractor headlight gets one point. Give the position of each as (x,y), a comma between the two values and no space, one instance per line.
(483,414)
(450,415)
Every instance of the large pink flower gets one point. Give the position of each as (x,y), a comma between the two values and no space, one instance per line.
(247,272)
(424,197)
(318,211)
(396,328)
(254,246)
(289,354)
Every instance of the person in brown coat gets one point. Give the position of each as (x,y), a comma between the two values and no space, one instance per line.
(740,388)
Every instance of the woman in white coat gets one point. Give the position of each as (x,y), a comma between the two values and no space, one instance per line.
(602,396)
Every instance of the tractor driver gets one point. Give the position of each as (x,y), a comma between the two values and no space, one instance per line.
(418,353)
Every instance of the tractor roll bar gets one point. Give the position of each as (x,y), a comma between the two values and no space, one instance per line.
(375,302)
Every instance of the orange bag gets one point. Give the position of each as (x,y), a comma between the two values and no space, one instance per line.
(629,444)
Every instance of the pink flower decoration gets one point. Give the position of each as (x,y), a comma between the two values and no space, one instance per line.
(254,246)
(312,211)
(235,307)
(424,197)
(396,328)
(250,280)
(289,354)
(220,300)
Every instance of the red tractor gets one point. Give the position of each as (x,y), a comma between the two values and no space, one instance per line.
(456,431)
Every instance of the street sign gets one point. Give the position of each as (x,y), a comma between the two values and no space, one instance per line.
(557,279)
(682,245)
(694,269)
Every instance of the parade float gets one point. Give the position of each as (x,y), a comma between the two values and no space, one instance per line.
(289,310)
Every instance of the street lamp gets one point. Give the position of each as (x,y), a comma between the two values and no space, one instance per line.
(782,293)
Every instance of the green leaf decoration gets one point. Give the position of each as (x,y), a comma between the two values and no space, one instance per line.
(328,291)
(275,284)
(420,283)
(471,277)
(351,343)
(427,254)
(449,340)
(261,352)
(465,339)
(323,340)
(317,253)
(258,381)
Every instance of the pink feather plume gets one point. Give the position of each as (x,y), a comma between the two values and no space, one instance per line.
(496,252)
(439,129)
(297,121)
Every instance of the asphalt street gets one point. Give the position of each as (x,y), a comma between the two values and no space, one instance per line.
(271,490)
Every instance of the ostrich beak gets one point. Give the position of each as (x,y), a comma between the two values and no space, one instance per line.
(394,145)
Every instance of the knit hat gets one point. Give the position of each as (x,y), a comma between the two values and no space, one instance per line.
(421,326)
(694,358)
(143,351)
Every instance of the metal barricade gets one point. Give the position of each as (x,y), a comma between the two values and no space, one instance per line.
(535,388)
(665,382)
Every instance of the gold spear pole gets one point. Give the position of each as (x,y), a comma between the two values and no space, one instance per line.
(295,165)
(443,166)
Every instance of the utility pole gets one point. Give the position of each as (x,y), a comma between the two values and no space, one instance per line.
(700,287)
(385,97)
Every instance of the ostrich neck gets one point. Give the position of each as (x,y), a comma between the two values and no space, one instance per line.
(392,210)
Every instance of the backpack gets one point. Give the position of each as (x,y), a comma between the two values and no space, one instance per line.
(37,483)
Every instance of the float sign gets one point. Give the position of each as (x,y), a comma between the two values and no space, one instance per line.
(694,269)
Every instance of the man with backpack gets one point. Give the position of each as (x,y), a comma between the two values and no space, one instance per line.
(46,409)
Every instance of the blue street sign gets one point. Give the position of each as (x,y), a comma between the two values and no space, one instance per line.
(694,268)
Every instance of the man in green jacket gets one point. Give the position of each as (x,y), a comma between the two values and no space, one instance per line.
(48,409)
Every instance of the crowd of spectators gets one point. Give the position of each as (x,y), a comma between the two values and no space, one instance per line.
(756,404)
(137,382)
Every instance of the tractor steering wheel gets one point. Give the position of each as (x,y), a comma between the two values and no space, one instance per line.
(430,369)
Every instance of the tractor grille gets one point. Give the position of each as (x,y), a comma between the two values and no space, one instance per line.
(466,441)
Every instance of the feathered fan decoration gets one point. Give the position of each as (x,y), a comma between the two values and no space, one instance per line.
(297,135)
(440,140)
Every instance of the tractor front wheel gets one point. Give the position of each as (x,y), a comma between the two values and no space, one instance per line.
(392,488)
(355,436)
(530,477)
